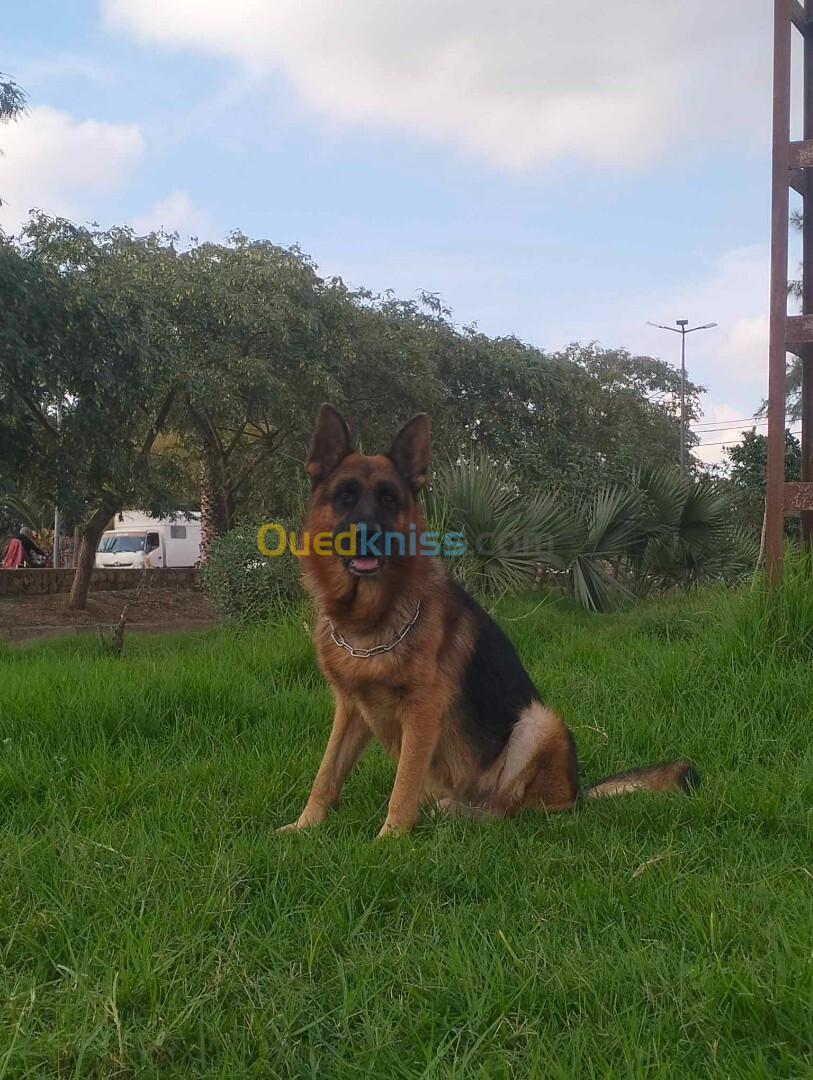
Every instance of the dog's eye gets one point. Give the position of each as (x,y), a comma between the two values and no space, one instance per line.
(387,499)
(346,497)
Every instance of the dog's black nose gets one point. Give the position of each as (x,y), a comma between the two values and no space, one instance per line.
(369,527)
(370,538)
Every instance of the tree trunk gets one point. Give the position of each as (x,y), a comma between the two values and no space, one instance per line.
(216,504)
(216,495)
(208,525)
(89,537)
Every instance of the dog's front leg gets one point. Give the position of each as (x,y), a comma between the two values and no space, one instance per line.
(348,738)
(420,721)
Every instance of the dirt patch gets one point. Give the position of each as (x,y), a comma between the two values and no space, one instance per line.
(155,611)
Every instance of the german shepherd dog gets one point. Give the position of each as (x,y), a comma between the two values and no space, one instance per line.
(416,663)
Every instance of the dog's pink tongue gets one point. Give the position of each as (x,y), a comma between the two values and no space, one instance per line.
(366,562)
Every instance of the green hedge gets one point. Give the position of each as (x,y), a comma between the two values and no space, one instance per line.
(245,584)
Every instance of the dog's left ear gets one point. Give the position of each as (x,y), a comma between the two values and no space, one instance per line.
(410,451)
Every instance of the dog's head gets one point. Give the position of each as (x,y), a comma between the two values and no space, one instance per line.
(367,504)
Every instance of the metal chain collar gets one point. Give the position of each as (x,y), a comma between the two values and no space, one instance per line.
(376,650)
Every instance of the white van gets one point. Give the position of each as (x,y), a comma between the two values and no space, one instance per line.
(138,540)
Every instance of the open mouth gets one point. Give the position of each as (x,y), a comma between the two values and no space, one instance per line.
(364,565)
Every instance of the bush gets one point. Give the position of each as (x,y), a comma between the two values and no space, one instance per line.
(509,534)
(245,584)
(662,530)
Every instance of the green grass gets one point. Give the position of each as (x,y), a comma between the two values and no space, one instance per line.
(152,923)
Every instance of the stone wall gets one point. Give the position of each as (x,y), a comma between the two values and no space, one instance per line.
(38,582)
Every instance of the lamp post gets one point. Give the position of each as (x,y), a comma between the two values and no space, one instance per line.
(57,516)
(680,327)
(57,539)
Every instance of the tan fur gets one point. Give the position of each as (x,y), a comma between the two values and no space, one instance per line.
(665,776)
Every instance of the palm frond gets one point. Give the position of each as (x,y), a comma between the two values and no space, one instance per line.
(613,521)
(36,517)
(509,536)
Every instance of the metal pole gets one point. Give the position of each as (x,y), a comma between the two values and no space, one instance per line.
(807,282)
(57,545)
(683,399)
(57,522)
(682,327)
(777,387)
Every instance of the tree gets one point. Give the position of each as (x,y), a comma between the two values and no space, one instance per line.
(12,103)
(259,340)
(250,323)
(17,510)
(793,376)
(68,338)
(12,98)
(254,337)
(234,345)
(579,417)
(746,477)
(687,533)
(635,405)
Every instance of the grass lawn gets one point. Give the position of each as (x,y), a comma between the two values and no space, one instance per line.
(152,923)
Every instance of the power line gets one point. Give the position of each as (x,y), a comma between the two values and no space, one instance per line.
(725,427)
(729,442)
(711,429)
(728,423)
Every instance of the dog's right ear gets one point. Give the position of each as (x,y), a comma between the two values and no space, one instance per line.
(330,444)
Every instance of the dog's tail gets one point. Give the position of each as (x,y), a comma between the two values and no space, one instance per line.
(680,775)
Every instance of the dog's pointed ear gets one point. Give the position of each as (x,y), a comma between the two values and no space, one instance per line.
(330,444)
(410,451)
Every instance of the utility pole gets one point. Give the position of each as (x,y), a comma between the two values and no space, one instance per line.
(680,327)
(683,323)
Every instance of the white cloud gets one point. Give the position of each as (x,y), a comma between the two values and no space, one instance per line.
(715,436)
(519,83)
(51,159)
(747,342)
(176,212)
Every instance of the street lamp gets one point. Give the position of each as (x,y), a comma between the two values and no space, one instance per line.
(57,558)
(680,328)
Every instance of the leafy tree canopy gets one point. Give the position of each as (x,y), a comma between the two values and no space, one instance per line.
(747,472)
(199,370)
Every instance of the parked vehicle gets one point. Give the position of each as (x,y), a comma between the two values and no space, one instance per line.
(138,541)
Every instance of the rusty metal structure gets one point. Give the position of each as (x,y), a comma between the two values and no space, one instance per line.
(792,168)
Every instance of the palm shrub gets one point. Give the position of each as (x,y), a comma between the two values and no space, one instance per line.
(663,530)
(509,535)
(687,535)
(23,511)
(512,538)
(609,525)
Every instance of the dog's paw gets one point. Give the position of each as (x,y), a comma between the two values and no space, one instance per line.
(307,820)
(300,825)
(389,828)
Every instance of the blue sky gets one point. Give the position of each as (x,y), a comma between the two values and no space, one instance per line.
(549,178)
